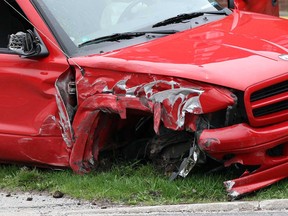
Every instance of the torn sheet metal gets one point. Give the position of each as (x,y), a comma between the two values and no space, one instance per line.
(238,187)
(177,99)
(168,100)
(86,124)
(177,105)
(263,148)
(67,104)
(66,128)
(188,163)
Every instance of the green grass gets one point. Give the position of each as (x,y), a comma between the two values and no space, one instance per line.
(127,184)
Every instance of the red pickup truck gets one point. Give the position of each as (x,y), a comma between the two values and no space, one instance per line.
(177,83)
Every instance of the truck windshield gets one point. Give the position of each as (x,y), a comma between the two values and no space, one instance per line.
(84,20)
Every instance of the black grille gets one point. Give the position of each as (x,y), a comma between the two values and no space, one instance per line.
(277,107)
(270,91)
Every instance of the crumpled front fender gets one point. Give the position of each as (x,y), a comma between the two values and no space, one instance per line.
(173,103)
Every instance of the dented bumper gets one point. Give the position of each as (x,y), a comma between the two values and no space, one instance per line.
(264,148)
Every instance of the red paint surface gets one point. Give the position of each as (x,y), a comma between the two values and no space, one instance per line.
(208,61)
(262,6)
(234,52)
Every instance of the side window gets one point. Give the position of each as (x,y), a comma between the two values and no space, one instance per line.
(10,23)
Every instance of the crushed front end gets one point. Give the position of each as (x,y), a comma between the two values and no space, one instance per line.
(177,123)
(211,92)
(260,142)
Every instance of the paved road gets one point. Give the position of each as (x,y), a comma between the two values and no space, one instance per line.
(27,204)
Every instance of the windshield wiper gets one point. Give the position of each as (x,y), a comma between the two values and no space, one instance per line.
(186,16)
(124,36)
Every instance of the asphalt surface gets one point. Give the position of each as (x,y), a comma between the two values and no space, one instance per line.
(31,204)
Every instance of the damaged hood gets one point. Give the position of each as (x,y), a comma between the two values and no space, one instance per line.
(235,52)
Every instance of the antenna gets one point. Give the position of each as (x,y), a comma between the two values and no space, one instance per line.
(54,44)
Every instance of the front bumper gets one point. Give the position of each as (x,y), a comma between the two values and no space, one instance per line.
(265,148)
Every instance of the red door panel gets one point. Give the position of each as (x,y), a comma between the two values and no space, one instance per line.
(27,95)
(29,122)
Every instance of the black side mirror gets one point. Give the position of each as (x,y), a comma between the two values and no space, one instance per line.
(231,4)
(27,44)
